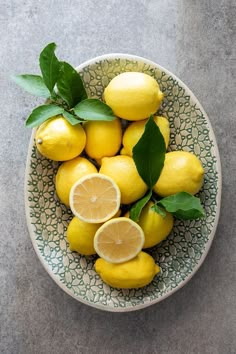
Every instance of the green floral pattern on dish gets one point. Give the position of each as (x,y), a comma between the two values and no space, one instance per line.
(179,254)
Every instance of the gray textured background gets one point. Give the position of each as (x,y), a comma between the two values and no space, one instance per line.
(196,40)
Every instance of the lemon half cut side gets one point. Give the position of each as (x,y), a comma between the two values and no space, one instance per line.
(95,198)
(118,240)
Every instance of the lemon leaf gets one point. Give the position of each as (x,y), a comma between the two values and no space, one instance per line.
(71,118)
(49,65)
(158,210)
(94,109)
(33,84)
(149,153)
(70,85)
(137,207)
(183,206)
(41,114)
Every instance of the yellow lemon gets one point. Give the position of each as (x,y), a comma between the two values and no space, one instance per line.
(126,214)
(135,130)
(80,236)
(182,172)
(133,95)
(118,240)
(117,214)
(123,171)
(68,173)
(95,198)
(58,140)
(155,227)
(136,273)
(103,138)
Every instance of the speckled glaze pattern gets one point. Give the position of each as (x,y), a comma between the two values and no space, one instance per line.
(184,250)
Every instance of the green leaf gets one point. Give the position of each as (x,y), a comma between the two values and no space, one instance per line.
(70,85)
(49,65)
(71,118)
(158,210)
(94,109)
(33,84)
(183,206)
(149,153)
(41,114)
(137,207)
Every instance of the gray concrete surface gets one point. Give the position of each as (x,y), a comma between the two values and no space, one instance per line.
(195,40)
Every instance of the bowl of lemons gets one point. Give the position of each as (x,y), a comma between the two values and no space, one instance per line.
(123,181)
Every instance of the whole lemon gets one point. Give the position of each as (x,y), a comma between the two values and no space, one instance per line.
(58,140)
(135,130)
(103,138)
(182,172)
(68,173)
(133,95)
(136,273)
(123,171)
(80,236)
(155,227)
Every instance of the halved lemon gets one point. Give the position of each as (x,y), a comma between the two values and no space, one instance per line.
(118,240)
(95,198)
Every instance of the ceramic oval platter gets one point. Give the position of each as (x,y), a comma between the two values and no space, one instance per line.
(185,249)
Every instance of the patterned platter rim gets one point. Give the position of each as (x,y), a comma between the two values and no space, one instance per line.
(218,197)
